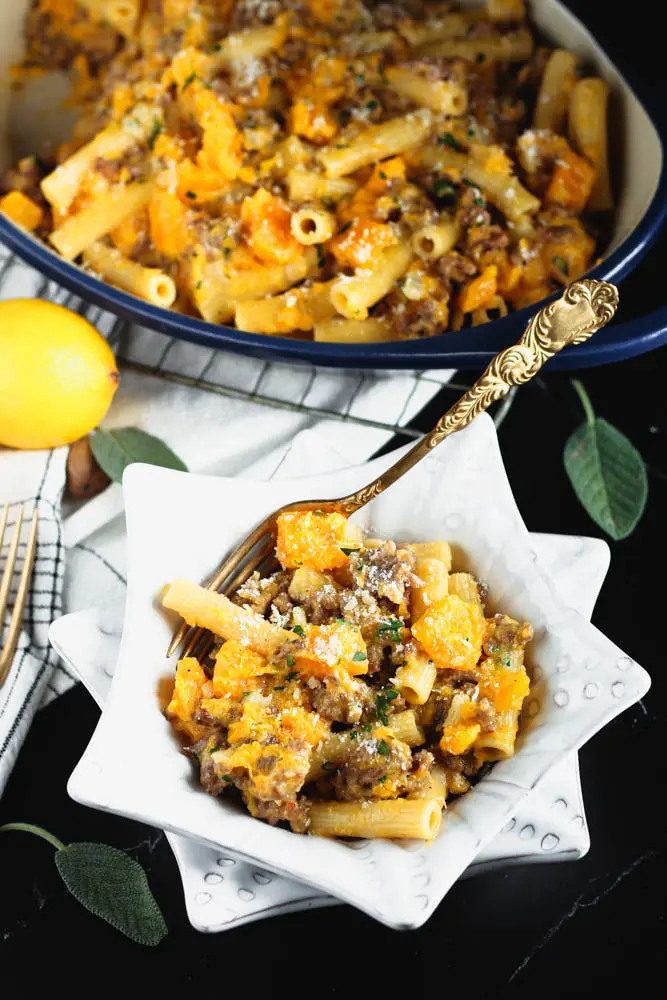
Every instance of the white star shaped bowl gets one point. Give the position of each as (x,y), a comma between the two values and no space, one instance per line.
(179,525)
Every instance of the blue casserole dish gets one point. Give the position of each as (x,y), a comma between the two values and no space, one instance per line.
(641,182)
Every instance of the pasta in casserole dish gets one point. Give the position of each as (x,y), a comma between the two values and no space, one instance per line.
(322,168)
(354,690)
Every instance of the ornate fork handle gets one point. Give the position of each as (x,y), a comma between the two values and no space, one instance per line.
(584,308)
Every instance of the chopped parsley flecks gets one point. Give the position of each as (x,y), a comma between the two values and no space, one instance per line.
(383,700)
(390,630)
(444,190)
(383,748)
(290,660)
(299,630)
(155,132)
(358,657)
(447,139)
(292,675)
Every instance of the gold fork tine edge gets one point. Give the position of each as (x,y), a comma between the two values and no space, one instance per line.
(208,638)
(14,629)
(237,580)
(6,582)
(3,525)
(230,564)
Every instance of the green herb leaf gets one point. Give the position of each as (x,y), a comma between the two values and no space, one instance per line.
(292,675)
(348,552)
(445,190)
(115,450)
(359,656)
(383,748)
(299,630)
(113,886)
(155,131)
(447,139)
(383,700)
(191,195)
(390,630)
(290,660)
(607,473)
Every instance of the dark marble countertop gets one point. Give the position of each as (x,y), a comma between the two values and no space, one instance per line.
(564,929)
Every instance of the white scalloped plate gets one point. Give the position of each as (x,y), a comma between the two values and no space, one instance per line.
(221,892)
(179,524)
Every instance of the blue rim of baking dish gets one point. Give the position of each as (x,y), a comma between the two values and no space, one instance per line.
(471,348)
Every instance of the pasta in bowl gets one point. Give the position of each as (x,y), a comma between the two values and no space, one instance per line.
(180,524)
(356,688)
(347,173)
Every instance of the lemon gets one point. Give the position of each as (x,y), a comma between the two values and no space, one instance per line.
(57,375)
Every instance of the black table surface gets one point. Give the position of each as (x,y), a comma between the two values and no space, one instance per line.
(553,930)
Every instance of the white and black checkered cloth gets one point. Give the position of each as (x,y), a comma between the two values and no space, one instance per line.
(35,663)
(223,414)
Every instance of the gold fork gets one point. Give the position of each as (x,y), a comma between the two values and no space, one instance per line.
(11,639)
(583,308)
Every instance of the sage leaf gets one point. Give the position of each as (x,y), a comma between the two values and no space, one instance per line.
(114,450)
(113,886)
(607,473)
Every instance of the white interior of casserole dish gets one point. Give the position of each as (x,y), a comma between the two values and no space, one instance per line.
(31,122)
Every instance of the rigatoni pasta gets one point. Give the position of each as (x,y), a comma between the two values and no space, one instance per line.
(433,172)
(353,691)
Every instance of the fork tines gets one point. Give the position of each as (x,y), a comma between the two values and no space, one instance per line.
(12,637)
(230,576)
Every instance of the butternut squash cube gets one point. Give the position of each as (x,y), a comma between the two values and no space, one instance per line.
(190,679)
(332,649)
(452,632)
(505,688)
(459,738)
(311,538)
(235,662)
